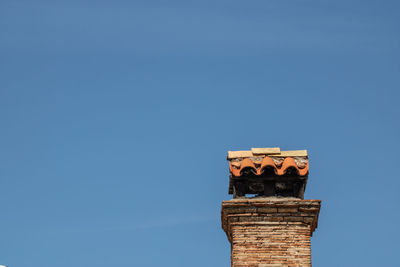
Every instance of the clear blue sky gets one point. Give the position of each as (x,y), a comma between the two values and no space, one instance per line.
(116,117)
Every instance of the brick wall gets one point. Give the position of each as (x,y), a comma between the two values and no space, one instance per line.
(270,232)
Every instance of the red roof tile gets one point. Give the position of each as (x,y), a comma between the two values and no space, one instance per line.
(280,164)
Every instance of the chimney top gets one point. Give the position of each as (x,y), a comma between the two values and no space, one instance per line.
(268,172)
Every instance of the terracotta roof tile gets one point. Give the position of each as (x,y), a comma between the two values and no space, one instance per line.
(261,160)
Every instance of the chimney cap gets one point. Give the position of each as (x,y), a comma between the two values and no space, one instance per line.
(253,169)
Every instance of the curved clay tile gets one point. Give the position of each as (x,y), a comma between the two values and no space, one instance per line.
(235,172)
(304,171)
(248,163)
(287,163)
(290,163)
(267,162)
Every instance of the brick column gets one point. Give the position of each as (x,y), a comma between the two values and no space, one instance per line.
(270,231)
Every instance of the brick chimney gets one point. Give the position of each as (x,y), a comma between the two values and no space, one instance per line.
(268,223)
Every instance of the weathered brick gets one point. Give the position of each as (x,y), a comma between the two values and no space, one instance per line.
(288,209)
(272,236)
